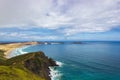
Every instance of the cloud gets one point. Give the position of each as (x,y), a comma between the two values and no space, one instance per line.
(73,16)
(26,36)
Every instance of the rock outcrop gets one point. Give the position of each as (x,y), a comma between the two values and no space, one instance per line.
(39,65)
(35,62)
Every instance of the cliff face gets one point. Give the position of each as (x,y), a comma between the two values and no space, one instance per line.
(39,64)
(35,63)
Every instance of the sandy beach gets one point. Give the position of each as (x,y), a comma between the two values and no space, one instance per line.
(11,46)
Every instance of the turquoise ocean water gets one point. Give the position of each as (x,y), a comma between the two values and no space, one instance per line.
(87,61)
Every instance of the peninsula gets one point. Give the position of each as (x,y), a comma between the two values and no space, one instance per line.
(30,66)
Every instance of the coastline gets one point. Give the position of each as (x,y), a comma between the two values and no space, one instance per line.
(9,47)
(52,73)
(55,74)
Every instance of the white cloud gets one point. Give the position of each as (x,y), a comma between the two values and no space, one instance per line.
(74,16)
(26,36)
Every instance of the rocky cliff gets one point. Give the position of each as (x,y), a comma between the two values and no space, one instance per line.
(35,63)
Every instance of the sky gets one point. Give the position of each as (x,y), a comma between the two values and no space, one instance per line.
(59,20)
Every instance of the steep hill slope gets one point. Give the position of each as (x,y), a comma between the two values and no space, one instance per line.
(31,66)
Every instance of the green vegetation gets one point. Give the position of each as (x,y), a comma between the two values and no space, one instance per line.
(2,58)
(31,66)
(12,73)
(1,53)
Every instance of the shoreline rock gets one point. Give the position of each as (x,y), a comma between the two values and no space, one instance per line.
(35,62)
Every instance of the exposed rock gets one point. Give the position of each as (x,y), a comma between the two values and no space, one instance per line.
(36,62)
(77,42)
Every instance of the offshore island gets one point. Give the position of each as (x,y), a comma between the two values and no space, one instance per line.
(30,66)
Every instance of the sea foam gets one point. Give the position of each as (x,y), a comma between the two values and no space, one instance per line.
(59,63)
(55,74)
(19,51)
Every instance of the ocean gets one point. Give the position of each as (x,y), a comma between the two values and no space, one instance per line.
(90,60)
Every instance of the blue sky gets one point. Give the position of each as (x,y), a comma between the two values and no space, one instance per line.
(60,20)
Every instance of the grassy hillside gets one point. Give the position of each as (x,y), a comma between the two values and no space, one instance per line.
(31,66)
(2,58)
(12,73)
